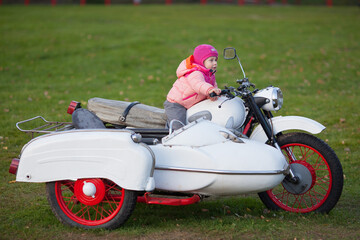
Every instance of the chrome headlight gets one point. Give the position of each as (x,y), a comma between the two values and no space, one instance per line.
(277,99)
(274,98)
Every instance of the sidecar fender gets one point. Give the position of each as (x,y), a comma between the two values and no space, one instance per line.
(71,155)
(281,124)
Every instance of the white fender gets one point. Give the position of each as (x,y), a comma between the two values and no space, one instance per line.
(110,154)
(281,124)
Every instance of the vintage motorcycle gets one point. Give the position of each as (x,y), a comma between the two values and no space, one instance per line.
(95,171)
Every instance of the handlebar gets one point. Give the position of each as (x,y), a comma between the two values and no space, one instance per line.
(243,90)
(213,94)
(223,92)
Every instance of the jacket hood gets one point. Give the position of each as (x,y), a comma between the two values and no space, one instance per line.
(188,66)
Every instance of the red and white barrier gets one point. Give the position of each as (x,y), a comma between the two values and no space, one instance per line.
(328,3)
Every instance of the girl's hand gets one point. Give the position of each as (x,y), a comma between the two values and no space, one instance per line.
(217,91)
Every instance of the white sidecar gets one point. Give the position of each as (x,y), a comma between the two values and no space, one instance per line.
(202,158)
(208,159)
(76,154)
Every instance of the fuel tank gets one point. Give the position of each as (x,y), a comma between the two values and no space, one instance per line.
(226,112)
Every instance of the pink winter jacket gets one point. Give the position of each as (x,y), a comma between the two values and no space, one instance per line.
(193,84)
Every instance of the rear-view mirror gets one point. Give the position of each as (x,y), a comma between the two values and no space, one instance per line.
(229,53)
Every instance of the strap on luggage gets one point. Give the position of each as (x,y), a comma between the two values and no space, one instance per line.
(122,118)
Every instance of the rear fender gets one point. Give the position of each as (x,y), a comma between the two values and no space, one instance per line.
(110,154)
(286,123)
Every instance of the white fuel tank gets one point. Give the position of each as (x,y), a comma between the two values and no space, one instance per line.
(226,112)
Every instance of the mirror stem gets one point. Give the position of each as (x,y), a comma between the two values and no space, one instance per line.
(240,65)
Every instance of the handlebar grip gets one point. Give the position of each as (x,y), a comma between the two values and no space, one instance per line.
(223,92)
(213,94)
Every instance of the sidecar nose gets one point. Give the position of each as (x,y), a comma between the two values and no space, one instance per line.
(14,166)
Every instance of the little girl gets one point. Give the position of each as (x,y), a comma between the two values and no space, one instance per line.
(196,80)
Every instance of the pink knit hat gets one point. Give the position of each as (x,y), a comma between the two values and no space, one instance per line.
(202,52)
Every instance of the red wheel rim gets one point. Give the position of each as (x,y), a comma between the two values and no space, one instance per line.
(89,214)
(321,187)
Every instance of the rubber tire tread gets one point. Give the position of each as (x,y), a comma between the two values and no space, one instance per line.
(334,163)
(126,210)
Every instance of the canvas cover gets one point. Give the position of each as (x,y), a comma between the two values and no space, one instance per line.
(139,116)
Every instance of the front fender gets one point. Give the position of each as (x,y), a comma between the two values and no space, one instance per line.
(281,124)
(110,154)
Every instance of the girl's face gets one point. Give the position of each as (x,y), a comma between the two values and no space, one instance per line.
(211,63)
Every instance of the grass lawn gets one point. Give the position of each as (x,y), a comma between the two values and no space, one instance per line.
(52,55)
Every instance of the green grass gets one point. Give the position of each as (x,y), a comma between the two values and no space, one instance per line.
(52,55)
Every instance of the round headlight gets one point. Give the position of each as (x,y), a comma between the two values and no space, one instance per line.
(274,98)
(277,98)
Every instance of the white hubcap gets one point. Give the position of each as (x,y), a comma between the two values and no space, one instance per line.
(89,189)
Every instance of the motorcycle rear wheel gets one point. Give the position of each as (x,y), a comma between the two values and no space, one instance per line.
(108,208)
(321,176)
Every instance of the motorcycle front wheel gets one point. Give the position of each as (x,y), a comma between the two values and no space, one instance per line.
(90,203)
(319,176)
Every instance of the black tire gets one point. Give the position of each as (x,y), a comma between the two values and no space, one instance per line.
(322,180)
(109,208)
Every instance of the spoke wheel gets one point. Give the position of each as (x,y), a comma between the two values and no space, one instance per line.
(90,203)
(319,172)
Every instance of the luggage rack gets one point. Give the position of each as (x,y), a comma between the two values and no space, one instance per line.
(46,127)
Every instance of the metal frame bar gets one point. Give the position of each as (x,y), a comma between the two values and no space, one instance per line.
(48,127)
(225,172)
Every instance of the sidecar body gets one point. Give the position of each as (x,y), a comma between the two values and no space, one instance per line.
(91,153)
(208,159)
(202,158)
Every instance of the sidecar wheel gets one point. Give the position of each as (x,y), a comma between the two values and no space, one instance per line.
(321,176)
(108,207)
